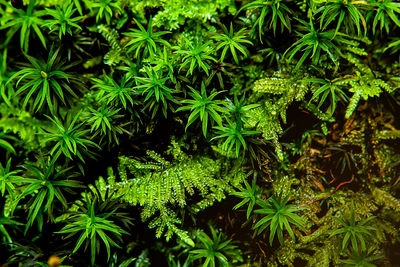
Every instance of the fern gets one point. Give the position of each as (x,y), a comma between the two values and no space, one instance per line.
(173,14)
(116,54)
(323,257)
(385,198)
(165,219)
(161,182)
(158,185)
(22,124)
(266,117)
(318,113)
(363,84)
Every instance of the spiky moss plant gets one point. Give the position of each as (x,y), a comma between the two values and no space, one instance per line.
(318,42)
(276,12)
(8,179)
(46,82)
(279,215)
(145,40)
(203,107)
(115,93)
(196,55)
(217,250)
(233,41)
(24,21)
(69,138)
(63,20)
(235,136)
(354,232)
(104,9)
(43,185)
(94,221)
(158,96)
(249,194)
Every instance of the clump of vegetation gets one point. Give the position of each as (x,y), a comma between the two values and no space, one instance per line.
(199,133)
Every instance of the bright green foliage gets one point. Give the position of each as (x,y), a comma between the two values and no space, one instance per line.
(363,258)
(250,195)
(173,14)
(63,20)
(345,12)
(265,118)
(196,55)
(46,81)
(116,52)
(24,21)
(6,89)
(234,132)
(8,179)
(5,144)
(203,107)
(364,84)
(94,221)
(279,216)
(111,92)
(232,41)
(217,250)
(158,184)
(68,138)
(145,41)
(163,61)
(7,220)
(163,217)
(275,11)
(156,91)
(103,121)
(235,136)
(238,109)
(384,13)
(21,124)
(168,182)
(317,42)
(44,184)
(327,88)
(322,250)
(145,59)
(394,45)
(354,232)
(104,9)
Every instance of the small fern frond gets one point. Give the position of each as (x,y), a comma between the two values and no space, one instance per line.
(161,186)
(116,52)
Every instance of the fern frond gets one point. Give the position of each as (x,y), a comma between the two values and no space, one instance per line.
(266,118)
(159,184)
(165,221)
(22,124)
(352,105)
(385,198)
(116,52)
(364,84)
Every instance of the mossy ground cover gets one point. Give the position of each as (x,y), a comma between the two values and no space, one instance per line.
(199,133)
